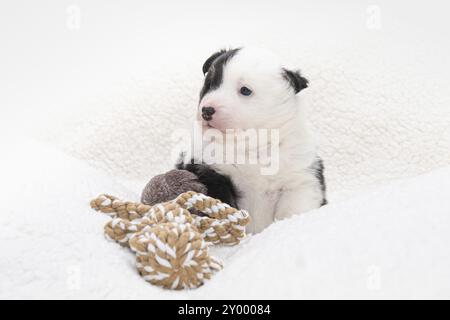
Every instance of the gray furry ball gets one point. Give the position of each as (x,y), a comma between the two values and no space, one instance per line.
(168,186)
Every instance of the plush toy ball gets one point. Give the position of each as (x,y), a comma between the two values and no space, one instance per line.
(171,243)
(168,186)
(174,256)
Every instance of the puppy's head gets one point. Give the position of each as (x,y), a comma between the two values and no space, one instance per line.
(247,88)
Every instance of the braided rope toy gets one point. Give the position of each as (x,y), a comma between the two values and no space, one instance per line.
(171,239)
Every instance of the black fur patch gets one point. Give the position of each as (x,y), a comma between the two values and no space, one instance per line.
(213,68)
(295,80)
(318,169)
(207,64)
(219,186)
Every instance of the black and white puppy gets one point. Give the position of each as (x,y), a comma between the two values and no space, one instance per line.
(248,88)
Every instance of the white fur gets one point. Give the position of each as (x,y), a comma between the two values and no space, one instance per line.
(273,105)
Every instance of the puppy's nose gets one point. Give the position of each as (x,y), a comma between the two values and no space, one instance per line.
(207,113)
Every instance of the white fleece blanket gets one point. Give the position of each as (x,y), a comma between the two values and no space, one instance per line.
(107,96)
(389,243)
(116,89)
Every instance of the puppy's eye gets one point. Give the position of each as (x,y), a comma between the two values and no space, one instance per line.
(245,91)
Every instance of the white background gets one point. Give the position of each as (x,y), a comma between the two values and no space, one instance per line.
(104,90)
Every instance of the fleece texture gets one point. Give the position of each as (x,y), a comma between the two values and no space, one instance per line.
(378,116)
(117,91)
(109,96)
(388,243)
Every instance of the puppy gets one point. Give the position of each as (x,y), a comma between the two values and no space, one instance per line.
(247,89)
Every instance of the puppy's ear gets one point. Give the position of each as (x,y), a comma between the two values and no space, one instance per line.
(211,59)
(295,80)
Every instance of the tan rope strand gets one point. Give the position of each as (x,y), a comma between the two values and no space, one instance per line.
(115,207)
(228,224)
(171,244)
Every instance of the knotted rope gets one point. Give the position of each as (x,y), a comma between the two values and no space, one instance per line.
(171,243)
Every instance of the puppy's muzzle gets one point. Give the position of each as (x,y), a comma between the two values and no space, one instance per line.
(207,113)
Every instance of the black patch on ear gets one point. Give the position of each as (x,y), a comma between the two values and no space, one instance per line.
(211,59)
(318,168)
(219,186)
(213,68)
(295,80)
